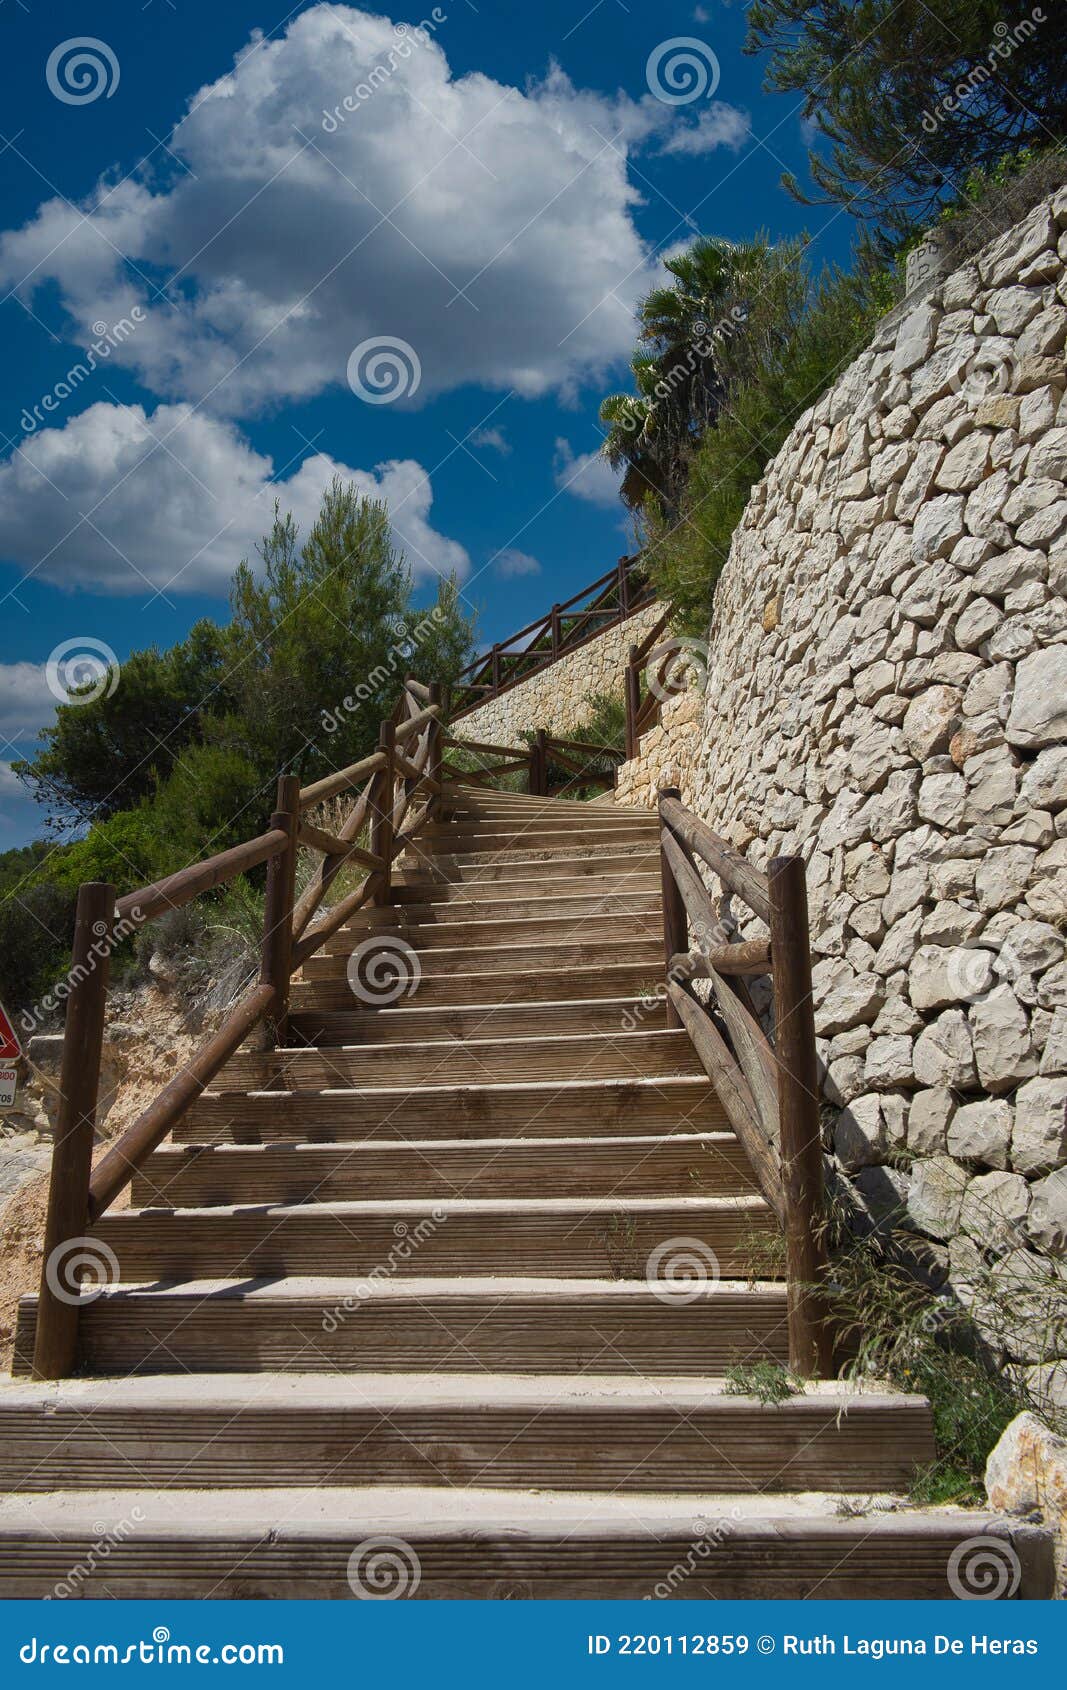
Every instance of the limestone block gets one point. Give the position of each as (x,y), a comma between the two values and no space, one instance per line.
(1003,1050)
(1039,1138)
(935,1197)
(943,1053)
(929,1119)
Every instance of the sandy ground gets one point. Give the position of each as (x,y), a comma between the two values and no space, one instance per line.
(146,1041)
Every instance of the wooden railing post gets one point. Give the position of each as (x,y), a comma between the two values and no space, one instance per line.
(624,585)
(810,1338)
(496,669)
(381,810)
(675,918)
(555,624)
(276,963)
(539,765)
(434,760)
(633,701)
(56,1346)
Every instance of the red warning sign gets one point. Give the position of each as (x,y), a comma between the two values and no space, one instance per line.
(10,1049)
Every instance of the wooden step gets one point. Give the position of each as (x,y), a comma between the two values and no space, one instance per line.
(684,1165)
(423,1325)
(467,904)
(634,1238)
(619,1054)
(571,927)
(551,1432)
(407,1025)
(531,837)
(629,979)
(518,959)
(447,1543)
(523,867)
(603,1108)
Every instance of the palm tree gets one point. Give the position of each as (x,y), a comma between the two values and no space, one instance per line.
(679,370)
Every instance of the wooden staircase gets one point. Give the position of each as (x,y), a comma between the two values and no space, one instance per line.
(459,1270)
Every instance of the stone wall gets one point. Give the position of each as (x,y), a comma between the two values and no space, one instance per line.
(887,694)
(557,698)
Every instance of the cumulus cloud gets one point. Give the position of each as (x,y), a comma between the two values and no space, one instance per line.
(587,475)
(26,704)
(511,562)
(494,437)
(10,785)
(120,499)
(720,126)
(488,226)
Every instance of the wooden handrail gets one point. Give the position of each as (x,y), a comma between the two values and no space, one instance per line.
(737,874)
(561,630)
(151,1127)
(770,1092)
(178,889)
(331,785)
(80,1194)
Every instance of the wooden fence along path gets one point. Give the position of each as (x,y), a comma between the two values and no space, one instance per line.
(439,1253)
(607,601)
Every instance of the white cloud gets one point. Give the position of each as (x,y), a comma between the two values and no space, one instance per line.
(121,499)
(512,562)
(26,704)
(10,785)
(494,437)
(720,126)
(289,243)
(588,476)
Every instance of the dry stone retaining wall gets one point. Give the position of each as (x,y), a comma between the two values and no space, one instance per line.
(887,694)
(557,698)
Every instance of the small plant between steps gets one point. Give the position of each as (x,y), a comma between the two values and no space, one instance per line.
(768,1381)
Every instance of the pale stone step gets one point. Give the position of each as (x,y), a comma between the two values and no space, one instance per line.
(441,1325)
(683,1165)
(554,1431)
(598,1107)
(469,1543)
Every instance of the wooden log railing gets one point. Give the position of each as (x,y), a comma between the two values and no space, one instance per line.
(79,1193)
(609,600)
(642,701)
(549,766)
(768,1087)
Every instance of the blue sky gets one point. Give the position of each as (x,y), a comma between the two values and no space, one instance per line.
(489,198)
